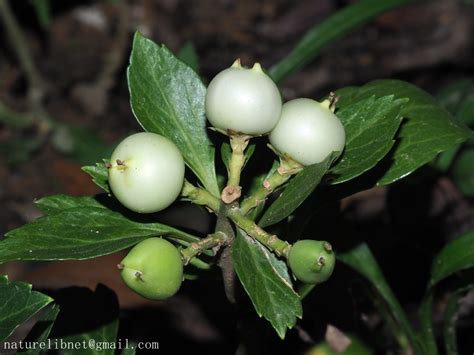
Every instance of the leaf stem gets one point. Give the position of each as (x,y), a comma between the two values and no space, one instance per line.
(451,315)
(196,248)
(238,144)
(271,241)
(399,334)
(363,261)
(186,244)
(305,290)
(328,31)
(200,196)
(426,337)
(280,176)
(199,264)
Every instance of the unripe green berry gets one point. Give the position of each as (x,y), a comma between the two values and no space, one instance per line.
(312,261)
(153,269)
(243,101)
(308,131)
(146,172)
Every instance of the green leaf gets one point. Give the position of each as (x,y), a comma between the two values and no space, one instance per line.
(267,282)
(445,159)
(463,171)
(40,331)
(457,255)
(426,335)
(101,340)
(330,30)
(362,260)
(99,174)
(187,54)
(466,112)
(249,152)
(58,203)
(43,12)
(458,99)
(427,130)
(95,325)
(167,98)
(298,189)
(451,317)
(370,127)
(79,233)
(18,303)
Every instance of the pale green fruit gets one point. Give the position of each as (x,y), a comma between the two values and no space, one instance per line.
(153,269)
(146,173)
(308,132)
(243,101)
(312,261)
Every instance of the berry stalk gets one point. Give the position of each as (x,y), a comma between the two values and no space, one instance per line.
(196,248)
(200,196)
(238,144)
(280,176)
(271,241)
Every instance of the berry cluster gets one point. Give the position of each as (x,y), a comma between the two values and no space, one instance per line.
(146,173)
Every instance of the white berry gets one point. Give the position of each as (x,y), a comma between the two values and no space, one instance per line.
(243,101)
(308,131)
(146,173)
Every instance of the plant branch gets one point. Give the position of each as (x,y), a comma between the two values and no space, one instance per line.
(196,248)
(225,262)
(280,176)
(203,197)
(271,241)
(200,196)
